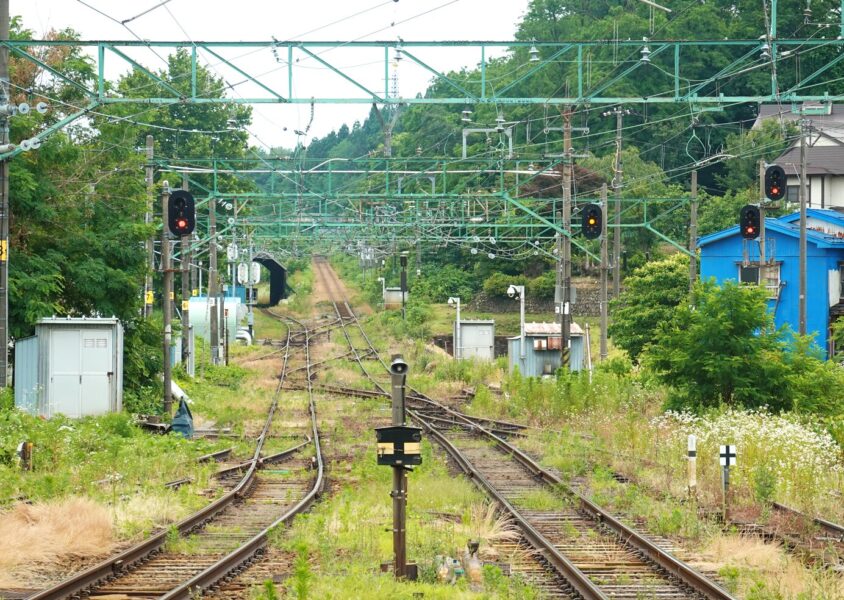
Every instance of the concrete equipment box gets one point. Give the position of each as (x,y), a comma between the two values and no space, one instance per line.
(71,366)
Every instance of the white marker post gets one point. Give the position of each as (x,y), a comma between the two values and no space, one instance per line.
(727,458)
(692,466)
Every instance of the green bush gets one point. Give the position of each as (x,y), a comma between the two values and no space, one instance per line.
(496,284)
(7,399)
(543,286)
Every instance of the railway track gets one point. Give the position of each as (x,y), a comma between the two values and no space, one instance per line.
(593,553)
(225,537)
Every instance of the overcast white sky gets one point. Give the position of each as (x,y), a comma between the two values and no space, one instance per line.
(336,20)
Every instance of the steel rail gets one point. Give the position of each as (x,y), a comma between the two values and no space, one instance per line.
(628,535)
(574,576)
(828,526)
(121,563)
(656,555)
(257,544)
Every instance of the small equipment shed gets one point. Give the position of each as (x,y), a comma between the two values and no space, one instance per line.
(476,339)
(393,298)
(542,349)
(71,366)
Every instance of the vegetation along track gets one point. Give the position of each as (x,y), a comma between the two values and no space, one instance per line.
(216,542)
(596,555)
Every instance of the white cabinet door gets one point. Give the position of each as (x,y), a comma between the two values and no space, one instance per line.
(65,397)
(95,374)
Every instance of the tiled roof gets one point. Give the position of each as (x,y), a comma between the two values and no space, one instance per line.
(820,160)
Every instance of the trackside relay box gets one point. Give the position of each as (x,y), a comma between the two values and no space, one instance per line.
(399,445)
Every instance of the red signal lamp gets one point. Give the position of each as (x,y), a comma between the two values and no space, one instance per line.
(182,224)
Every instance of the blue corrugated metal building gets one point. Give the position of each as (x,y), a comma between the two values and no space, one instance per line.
(542,349)
(726,255)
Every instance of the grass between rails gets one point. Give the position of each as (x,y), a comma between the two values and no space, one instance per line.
(617,422)
(342,541)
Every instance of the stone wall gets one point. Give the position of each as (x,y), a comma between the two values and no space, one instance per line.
(587,303)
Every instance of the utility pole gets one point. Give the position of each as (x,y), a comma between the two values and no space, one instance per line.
(565,307)
(212,282)
(616,183)
(186,258)
(148,220)
(693,235)
(804,196)
(763,266)
(165,298)
(604,269)
(5,213)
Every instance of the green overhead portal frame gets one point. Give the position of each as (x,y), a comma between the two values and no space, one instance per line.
(288,80)
(360,72)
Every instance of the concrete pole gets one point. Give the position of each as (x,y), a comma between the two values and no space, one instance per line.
(565,309)
(804,194)
(212,282)
(5,212)
(165,299)
(693,235)
(150,147)
(763,268)
(616,184)
(186,259)
(604,268)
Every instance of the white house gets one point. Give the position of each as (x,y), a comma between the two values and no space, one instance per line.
(824,151)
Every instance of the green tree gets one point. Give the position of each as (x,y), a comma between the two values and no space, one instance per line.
(650,296)
(724,350)
(765,143)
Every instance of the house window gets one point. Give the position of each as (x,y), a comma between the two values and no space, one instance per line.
(768,275)
(540,343)
(555,343)
(792,193)
(841,281)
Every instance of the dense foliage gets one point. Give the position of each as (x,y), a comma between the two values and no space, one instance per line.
(725,350)
(78,203)
(650,296)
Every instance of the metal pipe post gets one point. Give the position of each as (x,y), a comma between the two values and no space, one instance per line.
(398,375)
(521,289)
(5,212)
(165,299)
(804,194)
(459,348)
(604,269)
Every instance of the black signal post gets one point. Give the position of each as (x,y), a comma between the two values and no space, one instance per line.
(181,213)
(399,447)
(750,222)
(774,182)
(592,221)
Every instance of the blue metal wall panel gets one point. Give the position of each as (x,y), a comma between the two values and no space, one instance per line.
(26,375)
(720,259)
(535,361)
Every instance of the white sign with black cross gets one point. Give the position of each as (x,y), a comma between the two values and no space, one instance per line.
(728,456)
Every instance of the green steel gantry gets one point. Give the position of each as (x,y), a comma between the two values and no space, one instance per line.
(291,210)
